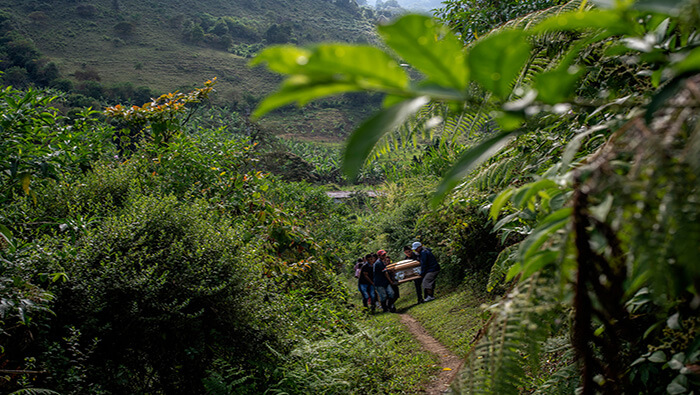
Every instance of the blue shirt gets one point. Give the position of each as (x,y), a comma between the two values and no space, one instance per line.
(428,262)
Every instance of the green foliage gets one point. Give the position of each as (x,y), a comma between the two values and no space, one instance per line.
(152,273)
(602,223)
(439,55)
(278,34)
(37,143)
(159,119)
(381,358)
(147,282)
(512,340)
(473,18)
(22,63)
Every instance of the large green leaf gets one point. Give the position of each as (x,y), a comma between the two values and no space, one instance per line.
(327,70)
(558,85)
(610,20)
(532,265)
(283,59)
(543,232)
(690,63)
(430,48)
(363,139)
(669,7)
(496,61)
(340,61)
(499,202)
(524,194)
(301,93)
(469,161)
(369,66)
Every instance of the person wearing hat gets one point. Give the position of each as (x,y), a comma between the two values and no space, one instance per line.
(382,281)
(429,269)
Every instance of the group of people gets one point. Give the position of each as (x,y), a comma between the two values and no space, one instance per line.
(379,286)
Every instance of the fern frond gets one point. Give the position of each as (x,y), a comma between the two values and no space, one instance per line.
(500,268)
(533,18)
(513,340)
(564,380)
(34,391)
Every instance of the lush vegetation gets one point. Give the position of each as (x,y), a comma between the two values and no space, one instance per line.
(585,164)
(149,254)
(550,162)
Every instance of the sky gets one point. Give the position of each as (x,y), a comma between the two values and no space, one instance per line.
(426,5)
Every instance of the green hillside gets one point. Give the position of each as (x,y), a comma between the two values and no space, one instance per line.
(169,46)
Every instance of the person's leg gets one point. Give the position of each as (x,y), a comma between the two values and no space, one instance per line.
(429,285)
(382,291)
(419,289)
(391,298)
(364,290)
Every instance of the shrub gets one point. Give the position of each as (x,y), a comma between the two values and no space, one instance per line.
(240,30)
(91,89)
(194,33)
(278,34)
(464,234)
(220,28)
(38,17)
(86,10)
(46,74)
(88,74)
(62,84)
(16,76)
(124,28)
(158,286)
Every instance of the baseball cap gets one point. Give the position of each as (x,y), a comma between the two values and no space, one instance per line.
(416,244)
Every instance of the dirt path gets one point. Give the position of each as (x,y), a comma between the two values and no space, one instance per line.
(447,360)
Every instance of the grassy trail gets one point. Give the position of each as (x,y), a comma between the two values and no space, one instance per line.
(444,327)
(449,362)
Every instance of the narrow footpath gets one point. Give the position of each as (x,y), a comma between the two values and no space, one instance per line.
(449,363)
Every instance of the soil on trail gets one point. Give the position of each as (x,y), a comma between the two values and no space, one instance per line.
(449,363)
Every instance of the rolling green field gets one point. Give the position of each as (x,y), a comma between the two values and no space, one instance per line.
(150,44)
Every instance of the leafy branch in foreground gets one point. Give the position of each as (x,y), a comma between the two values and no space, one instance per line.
(611,226)
(494,62)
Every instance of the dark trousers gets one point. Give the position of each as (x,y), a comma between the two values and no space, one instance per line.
(419,289)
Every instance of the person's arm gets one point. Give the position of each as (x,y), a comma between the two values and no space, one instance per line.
(367,277)
(422,258)
(386,274)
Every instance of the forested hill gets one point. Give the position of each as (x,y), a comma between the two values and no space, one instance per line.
(167,45)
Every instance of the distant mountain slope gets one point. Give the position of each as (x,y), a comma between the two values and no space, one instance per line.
(168,45)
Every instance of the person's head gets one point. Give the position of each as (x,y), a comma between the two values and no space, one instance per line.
(381,253)
(417,246)
(408,251)
(370,258)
